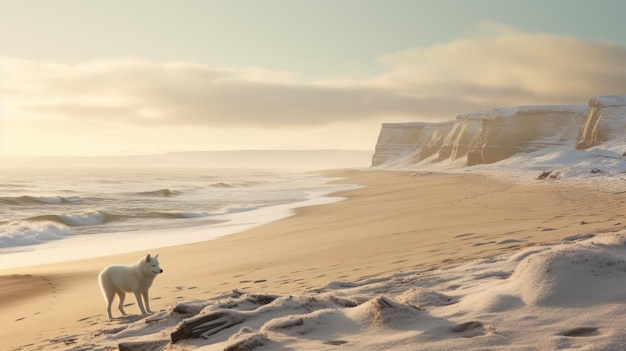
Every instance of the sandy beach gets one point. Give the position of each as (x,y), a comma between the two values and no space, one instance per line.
(397,222)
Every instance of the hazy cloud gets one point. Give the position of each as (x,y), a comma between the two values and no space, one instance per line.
(520,67)
(493,66)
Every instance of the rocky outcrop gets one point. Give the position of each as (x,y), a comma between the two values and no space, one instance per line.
(436,140)
(505,132)
(493,135)
(606,120)
(458,141)
(401,141)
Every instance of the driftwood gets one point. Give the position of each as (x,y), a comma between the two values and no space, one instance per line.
(206,325)
(142,345)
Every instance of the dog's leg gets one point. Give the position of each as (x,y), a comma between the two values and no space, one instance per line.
(139,302)
(121,295)
(146,301)
(109,296)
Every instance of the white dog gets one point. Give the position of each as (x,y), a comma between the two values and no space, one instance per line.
(136,279)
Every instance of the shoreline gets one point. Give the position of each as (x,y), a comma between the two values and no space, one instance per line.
(79,248)
(399,221)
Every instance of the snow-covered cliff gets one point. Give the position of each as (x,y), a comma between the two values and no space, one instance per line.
(507,131)
(493,135)
(400,141)
(606,121)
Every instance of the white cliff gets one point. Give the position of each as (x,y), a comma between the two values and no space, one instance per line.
(493,135)
(401,141)
(507,131)
(606,121)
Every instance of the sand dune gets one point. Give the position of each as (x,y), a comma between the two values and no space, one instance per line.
(443,261)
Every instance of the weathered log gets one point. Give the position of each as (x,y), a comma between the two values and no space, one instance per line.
(142,345)
(206,325)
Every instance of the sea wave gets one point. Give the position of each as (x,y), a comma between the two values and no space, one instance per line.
(84,219)
(238,209)
(194,214)
(31,233)
(236,184)
(27,200)
(160,193)
(93,218)
(78,219)
(178,214)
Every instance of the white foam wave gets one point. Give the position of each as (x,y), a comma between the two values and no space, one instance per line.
(28,200)
(238,209)
(31,233)
(54,200)
(91,218)
(194,214)
(74,199)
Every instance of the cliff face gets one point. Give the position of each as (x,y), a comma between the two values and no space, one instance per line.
(505,132)
(606,121)
(398,141)
(458,142)
(493,135)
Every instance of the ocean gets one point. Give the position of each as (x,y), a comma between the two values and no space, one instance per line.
(55,215)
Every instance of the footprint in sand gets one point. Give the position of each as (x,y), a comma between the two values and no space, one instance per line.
(86,318)
(581,332)
(66,340)
(484,243)
(471,329)
(111,331)
(463,235)
(509,241)
(335,342)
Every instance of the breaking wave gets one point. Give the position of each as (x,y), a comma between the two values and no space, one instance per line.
(93,218)
(100,217)
(81,203)
(160,193)
(236,184)
(77,220)
(179,214)
(39,200)
(31,233)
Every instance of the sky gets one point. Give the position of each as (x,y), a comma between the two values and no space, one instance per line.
(120,77)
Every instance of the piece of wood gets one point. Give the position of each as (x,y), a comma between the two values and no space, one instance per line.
(206,325)
(142,345)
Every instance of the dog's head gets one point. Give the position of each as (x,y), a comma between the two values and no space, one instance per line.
(152,263)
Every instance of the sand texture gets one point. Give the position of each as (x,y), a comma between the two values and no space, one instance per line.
(361,260)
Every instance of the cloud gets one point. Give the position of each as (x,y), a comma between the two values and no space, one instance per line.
(502,65)
(140,92)
(492,66)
